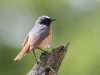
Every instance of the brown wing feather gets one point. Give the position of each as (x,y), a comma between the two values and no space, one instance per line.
(25,41)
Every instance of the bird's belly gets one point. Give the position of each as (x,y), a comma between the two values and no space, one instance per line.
(44,44)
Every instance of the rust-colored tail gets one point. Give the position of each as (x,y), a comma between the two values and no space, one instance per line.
(21,54)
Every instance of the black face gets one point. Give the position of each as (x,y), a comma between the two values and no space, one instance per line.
(46,21)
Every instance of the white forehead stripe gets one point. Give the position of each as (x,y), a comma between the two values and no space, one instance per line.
(47,16)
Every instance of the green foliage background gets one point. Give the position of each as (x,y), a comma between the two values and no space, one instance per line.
(78,22)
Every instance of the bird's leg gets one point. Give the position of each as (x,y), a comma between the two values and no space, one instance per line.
(40,49)
(35,56)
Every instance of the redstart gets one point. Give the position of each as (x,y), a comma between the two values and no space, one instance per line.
(38,38)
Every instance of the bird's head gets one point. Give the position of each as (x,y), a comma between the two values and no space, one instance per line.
(45,20)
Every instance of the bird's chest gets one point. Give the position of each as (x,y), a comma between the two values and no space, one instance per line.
(47,41)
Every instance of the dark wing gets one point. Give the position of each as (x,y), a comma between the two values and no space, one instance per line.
(25,41)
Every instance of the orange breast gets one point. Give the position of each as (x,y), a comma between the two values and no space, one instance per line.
(46,42)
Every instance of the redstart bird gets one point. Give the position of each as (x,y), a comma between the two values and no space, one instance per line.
(38,38)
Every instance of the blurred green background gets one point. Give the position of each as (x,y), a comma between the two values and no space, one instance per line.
(78,22)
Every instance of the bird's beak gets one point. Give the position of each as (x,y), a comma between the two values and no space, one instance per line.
(53,19)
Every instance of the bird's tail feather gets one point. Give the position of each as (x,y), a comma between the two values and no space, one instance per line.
(22,53)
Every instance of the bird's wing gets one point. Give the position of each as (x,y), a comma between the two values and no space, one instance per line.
(39,36)
(25,41)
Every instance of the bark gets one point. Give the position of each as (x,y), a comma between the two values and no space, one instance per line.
(49,62)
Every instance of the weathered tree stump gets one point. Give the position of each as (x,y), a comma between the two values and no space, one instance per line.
(49,62)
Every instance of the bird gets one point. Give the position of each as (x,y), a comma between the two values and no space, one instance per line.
(39,37)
